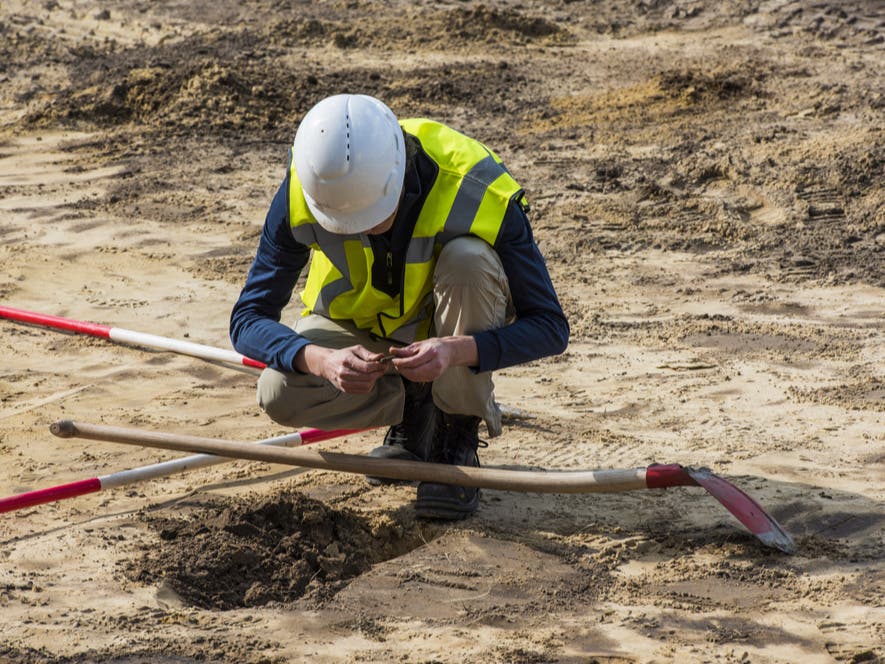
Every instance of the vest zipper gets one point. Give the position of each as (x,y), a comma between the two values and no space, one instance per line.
(389,263)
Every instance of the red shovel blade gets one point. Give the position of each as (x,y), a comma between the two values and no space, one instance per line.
(745,509)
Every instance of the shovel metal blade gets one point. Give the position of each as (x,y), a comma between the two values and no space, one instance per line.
(745,509)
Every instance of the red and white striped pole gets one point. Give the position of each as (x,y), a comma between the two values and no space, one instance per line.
(153,471)
(130,337)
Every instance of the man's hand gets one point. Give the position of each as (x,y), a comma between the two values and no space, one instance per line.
(425,361)
(353,370)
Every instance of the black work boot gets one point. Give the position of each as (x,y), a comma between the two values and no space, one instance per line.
(458,440)
(412,439)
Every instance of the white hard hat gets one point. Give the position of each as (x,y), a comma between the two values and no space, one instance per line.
(350,157)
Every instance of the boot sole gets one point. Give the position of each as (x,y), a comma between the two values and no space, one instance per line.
(383,481)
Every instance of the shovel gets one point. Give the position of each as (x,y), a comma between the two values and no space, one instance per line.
(742,506)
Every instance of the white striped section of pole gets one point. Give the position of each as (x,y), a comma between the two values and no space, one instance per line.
(154,471)
(144,473)
(131,337)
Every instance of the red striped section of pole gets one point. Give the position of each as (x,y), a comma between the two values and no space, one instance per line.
(130,337)
(154,471)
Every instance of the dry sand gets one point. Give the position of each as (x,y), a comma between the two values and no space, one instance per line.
(708,186)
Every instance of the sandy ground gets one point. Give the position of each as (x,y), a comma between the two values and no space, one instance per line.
(708,185)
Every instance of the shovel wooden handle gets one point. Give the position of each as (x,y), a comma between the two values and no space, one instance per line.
(589,481)
(742,506)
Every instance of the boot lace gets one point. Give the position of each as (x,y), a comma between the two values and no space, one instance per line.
(457,441)
(396,435)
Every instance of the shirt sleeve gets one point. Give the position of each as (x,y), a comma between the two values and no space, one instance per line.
(540,328)
(255,330)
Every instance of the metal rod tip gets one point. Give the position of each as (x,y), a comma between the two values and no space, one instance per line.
(63,429)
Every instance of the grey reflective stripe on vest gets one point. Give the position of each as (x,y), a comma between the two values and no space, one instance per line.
(328,293)
(406,334)
(332,246)
(305,234)
(420,250)
(469,197)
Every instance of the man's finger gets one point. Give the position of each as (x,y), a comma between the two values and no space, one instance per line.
(405,351)
(365,354)
(361,366)
(416,360)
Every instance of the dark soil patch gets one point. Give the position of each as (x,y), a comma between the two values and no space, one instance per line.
(249,552)
(461,28)
(233,85)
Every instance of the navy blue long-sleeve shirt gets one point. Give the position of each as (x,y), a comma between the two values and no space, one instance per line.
(540,328)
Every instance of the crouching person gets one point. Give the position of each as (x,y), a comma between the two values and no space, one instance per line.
(424,278)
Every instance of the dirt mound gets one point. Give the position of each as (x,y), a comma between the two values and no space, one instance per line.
(459,28)
(667,96)
(236,553)
(493,24)
(219,89)
(226,85)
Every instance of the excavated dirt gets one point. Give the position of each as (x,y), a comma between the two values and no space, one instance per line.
(707,183)
(255,550)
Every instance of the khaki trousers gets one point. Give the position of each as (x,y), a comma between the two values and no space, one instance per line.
(471,294)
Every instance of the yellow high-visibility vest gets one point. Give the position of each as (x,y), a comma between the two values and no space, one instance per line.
(469,197)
